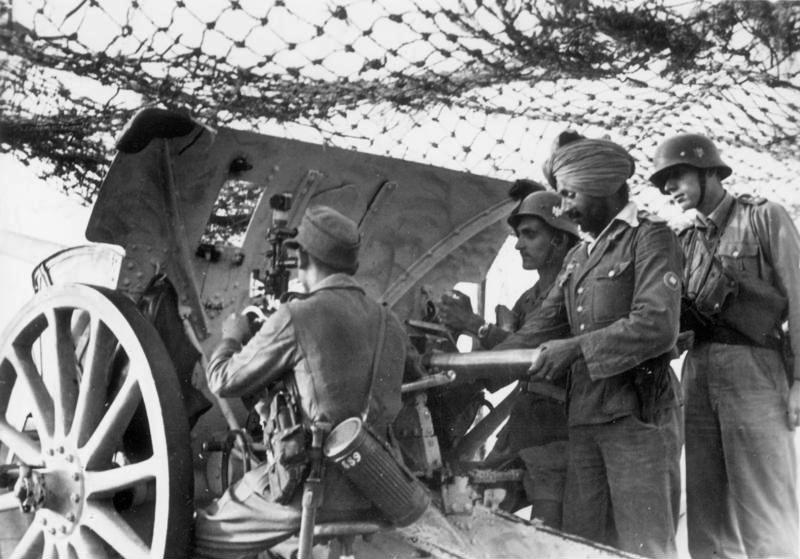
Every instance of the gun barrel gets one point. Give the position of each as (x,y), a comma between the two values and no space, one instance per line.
(506,364)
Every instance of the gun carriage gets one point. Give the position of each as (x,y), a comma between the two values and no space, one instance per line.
(107,442)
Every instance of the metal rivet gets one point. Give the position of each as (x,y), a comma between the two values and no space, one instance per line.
(70,516)
(69,458)
(75,498)
(76,476)
(61,450)
(52,531)
(63,529)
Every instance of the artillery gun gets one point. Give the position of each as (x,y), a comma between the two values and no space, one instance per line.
(108,437)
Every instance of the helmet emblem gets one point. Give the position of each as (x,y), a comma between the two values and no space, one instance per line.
(699,152)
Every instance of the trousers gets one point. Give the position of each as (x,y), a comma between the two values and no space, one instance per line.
(741,471)
(244,522)
(619,488)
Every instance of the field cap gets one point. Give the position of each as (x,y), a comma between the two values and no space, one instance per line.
(330,237)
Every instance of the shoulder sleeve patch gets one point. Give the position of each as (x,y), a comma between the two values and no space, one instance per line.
(671,281)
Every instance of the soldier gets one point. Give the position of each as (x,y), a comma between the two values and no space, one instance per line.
(536,430)
(320,348)
(741,281)
(618,298)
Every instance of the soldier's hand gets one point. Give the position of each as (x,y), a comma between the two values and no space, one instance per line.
(455,311)
(505,318)
(236,327)
(555,357)
(793,407)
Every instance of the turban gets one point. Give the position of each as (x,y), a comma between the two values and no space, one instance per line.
(593,167)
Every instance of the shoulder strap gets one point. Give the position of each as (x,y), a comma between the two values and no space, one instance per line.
(371,404)
(751,218)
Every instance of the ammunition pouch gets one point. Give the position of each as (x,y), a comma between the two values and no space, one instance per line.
(756,311)
(655,390)
(708,284)
(287,440)
(289,470)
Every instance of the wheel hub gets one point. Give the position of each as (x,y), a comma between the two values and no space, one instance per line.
(55,493)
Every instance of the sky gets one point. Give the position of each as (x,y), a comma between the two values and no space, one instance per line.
(35,221)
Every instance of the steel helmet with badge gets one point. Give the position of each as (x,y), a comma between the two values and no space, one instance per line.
(694,150)
(544,205)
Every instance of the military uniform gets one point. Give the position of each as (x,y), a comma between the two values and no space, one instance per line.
(324,345)
(619,297)
(536,429)
(740,457)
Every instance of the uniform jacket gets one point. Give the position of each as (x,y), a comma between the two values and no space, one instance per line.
(324,344)
(535,420)
(619,296)
(527,303)
(761,240)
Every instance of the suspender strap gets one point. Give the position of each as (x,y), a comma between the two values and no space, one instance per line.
(371,404)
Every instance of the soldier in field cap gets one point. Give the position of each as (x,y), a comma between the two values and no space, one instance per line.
(319,348)
(607,328)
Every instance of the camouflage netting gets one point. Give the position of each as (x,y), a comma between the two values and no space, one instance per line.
(476,85)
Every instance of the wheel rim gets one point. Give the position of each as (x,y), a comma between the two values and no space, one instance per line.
(86,394)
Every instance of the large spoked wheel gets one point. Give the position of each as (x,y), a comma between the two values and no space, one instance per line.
(94,444)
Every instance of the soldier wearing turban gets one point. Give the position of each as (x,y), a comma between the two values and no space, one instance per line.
(616,304)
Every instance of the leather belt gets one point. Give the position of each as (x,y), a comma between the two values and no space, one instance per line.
(729,336)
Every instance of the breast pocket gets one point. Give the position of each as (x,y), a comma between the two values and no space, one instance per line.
(741,257)
(612,292)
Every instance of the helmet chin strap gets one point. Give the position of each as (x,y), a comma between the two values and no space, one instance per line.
(702,176)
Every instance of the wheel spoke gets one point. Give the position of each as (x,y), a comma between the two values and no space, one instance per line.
(41,402)
(62,547)
(7,376)
(94,382)
(23,446)
(110,481)
(8,502)
(50,550)
(27,546)
(112,527)
(106,437)
(64,387)
(86,544)
(80,332)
